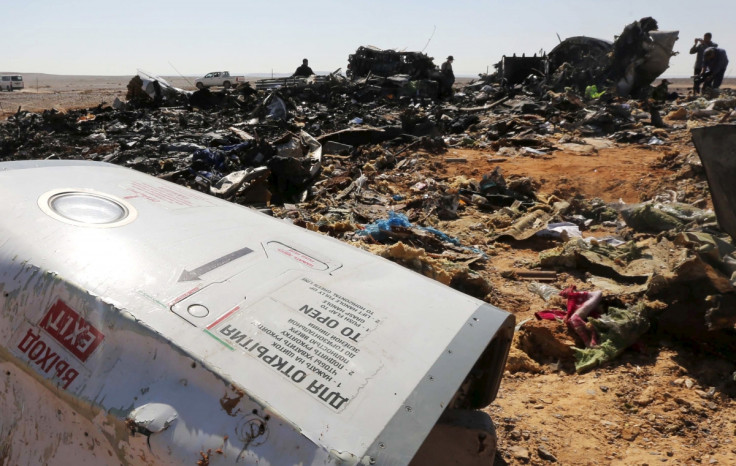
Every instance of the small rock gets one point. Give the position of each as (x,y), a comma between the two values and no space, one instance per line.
(670,453)
(515,435)
(679,114)
(477,199)
(525,435)
(689,383)
(545,454)
(682,401)
(604,388)
(669,428)
(520,453)
(630,433)
(643,400)
(701,394)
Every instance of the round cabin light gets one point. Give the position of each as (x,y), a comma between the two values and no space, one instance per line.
(87,208)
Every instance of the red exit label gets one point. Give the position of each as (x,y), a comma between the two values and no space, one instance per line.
(71,330)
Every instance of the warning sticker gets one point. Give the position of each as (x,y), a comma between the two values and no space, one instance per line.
(71,330)
(310,334)
(67,338)
(296,255)
(162,194)
(45,356)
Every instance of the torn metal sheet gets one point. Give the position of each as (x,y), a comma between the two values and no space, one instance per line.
(362,135)
(532,223)
(298,161)
(579,49)
(716,146)
(515,70)
(641,70)
(275,107)
(175,328)
(371,60)
(659,216)
(623,263)
(232,183)
(153,85)
(292,81)
(639,55)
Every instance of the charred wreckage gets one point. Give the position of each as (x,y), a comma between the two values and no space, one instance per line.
(173,325)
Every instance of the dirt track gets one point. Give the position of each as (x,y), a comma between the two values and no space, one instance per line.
(650,407)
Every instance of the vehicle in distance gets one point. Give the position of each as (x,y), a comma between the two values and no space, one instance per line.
(218,78)
(11,82)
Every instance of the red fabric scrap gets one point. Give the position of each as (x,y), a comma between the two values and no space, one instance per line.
(575,299)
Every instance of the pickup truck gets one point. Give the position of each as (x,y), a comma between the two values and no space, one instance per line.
(11,82)
(218,78)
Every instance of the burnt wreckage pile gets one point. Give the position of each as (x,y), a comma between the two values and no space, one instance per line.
(359,159)
(411,74)
(627,65)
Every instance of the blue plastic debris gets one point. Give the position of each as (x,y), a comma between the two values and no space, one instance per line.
(378,230)
(442,236)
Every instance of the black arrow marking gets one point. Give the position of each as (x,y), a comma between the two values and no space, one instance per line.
(192,275)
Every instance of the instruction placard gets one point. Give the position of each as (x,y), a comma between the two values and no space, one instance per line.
(311,335)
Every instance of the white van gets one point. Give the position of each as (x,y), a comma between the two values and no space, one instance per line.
(11,82)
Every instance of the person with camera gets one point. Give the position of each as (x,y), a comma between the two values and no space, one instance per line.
(698,49)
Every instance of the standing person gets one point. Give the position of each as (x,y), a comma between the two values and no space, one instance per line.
(715,62)
(448,77)
(304,70)
(698,49)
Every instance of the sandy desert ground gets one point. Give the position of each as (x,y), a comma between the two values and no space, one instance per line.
(45,91)
(647,409)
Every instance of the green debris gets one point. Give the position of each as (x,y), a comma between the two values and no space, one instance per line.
(591,92)
(577,253)
(617,329)
(657,217)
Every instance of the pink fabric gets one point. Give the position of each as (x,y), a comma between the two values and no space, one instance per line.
(580,305)
(586,334)
(576,299)
(550,314)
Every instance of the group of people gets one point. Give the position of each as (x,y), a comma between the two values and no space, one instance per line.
(710,64)
(448,77)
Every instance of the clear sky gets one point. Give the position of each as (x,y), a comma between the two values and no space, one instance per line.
(101,37)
